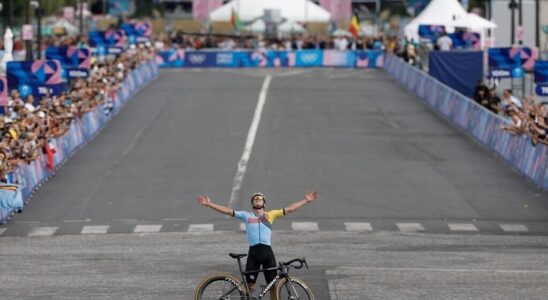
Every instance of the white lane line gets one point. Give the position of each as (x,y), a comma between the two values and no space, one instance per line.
(27,222)
(147,228)
(43,231)
(77,221)
(176,219)
(362,271)
(99,229)
(126,220)
(357,226)
(242,227)
(200,228)
(514,228)
(410,227)
(242,164)
(305,226)
(462,227)
(2,230)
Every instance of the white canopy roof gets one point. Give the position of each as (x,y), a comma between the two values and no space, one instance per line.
(291,27)
(474,22)
(286,27)
(256,26)
(249,10)
(448,13)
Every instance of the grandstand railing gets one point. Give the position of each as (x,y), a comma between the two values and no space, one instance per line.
(481,124)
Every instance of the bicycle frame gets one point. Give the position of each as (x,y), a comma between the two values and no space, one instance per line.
(281,272)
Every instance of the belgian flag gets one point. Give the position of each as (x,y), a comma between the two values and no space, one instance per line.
(354,27)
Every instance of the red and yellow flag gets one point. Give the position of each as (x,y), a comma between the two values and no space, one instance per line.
(354,26)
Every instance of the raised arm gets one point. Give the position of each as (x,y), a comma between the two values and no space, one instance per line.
(308,197)
(205,201)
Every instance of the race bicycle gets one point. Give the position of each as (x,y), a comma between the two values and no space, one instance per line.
(226,286)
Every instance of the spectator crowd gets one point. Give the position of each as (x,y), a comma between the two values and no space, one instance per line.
(27,126)
(526,116)
(179,39)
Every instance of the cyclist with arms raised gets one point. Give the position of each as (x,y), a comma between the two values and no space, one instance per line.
(259,230)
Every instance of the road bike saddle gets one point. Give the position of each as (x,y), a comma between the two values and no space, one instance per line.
(234,255)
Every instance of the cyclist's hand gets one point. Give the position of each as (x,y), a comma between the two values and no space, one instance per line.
(311,196)
(203,200)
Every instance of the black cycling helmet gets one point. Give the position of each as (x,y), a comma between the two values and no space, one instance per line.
(258,194)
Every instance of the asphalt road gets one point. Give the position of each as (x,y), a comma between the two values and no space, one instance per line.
(438,217)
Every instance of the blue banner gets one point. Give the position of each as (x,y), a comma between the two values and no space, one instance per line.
(369,59)
(511,62)
(335,58)
(201,59)
(103,50)
(137,32)
(252,59)
(502,63)
(308,58)
(460,70)
(465,40)
(541,77)
(38,90)
(431,32)
(35,77)
(75,61)
(109,38)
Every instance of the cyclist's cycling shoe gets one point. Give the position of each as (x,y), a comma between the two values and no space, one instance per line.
(234,255)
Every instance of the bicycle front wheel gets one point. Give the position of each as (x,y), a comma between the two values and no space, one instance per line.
(293,289)
(220,287)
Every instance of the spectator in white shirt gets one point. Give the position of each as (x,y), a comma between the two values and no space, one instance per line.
(341,43)
(507,99)
(444,43)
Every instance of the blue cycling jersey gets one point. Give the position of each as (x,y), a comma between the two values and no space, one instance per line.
(259,228)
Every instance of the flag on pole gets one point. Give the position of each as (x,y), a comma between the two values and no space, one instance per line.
(235,21)
(354,26)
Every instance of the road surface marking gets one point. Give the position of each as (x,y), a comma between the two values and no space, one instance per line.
(242,164)
(100,229)
(462,227)
(147,228)
(43,231)
(200,228)
(514,227)
(305,226)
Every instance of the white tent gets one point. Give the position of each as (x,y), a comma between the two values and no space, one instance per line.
(438,12)
(474,22)
(249,10)
(257,26)
(450,14)
(290,27)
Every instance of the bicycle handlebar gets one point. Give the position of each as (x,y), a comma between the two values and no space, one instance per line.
(302,262)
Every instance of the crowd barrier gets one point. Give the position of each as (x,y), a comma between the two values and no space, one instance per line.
(180,58)
(478,122)
(31,176)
